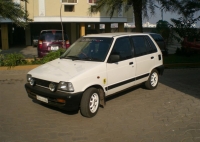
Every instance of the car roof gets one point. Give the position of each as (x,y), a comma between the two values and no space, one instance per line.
(154,34)
(50,30)
(114,34)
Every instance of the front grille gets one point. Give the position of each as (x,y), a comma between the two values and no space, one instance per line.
(43,83)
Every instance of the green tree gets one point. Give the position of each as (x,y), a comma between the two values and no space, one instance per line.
(141,8)
(14,12)
(163,28)
(184,27)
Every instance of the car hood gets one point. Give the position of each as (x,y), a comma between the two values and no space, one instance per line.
(62,69)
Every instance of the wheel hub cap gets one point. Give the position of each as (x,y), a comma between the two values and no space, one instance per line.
(94,102)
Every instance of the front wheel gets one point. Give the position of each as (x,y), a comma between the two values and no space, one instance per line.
(90,102)
(152,81)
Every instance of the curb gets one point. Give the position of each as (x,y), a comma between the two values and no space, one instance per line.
(25,67)
(184,65)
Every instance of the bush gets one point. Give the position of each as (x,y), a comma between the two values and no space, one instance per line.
(15,59)
(49,57)
(11,60)
(1,59)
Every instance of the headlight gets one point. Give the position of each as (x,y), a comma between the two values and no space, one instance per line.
(66,86)
(52,86)
(30,80)
(28,77)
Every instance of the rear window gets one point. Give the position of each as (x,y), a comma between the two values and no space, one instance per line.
(157,37)
(52,36)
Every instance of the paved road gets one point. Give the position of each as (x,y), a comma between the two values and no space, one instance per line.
(171,113)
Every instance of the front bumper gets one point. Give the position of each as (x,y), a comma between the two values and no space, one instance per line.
(72,101)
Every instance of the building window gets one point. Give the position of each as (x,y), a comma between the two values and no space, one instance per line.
(69,8)
(93,8)
(70,1)
(92,1)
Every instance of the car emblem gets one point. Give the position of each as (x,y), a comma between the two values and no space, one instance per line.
(52,87)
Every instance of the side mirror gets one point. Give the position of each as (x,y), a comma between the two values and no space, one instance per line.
(113,58)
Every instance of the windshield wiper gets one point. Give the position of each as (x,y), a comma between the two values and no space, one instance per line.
(71,57)
(91,59)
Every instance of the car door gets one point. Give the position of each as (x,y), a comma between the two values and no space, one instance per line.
(144,56)
(120,75)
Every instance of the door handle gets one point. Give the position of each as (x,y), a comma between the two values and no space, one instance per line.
(130,63)
(152,57)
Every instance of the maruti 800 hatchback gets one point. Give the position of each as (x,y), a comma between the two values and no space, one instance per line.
(95,67)
(51,40)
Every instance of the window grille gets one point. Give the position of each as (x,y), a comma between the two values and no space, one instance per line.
(92,1)
(69,1)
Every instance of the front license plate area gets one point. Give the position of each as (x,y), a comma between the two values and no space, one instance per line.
(43,99)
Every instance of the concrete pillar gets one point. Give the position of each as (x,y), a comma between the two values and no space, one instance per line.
(107,28)
(73,37)
(121,27)
(97,28)
(82,29)
(4,36)
(28,35)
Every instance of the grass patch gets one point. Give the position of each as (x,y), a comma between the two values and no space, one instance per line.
(182,61)
(179,59)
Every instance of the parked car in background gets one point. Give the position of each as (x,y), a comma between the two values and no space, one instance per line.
(51,40)
(160,41)
(94,67)
(35,41)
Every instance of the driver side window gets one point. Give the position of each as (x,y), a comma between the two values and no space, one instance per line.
(122,48)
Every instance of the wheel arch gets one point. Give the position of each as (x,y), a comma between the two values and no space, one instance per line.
(160,69)
(101,93)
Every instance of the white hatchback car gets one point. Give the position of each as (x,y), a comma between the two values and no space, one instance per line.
(94,67)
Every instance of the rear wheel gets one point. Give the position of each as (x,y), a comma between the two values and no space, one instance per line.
(152,81)
(90,102)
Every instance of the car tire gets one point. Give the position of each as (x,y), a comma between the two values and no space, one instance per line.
(90,102)
(152,81)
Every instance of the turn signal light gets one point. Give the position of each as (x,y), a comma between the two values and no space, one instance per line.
(40,44)
(67,44)
(60,100)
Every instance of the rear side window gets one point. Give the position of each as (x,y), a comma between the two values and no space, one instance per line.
(52,36)
(157,37)
(143,45)
(152,47)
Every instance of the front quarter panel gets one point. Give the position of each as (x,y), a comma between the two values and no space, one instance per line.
(95,76)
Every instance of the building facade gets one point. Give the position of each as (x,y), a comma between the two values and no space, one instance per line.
(76,17)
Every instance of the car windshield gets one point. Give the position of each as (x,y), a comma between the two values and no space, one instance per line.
(89,48)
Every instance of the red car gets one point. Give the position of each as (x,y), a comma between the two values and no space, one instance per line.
(51,40)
